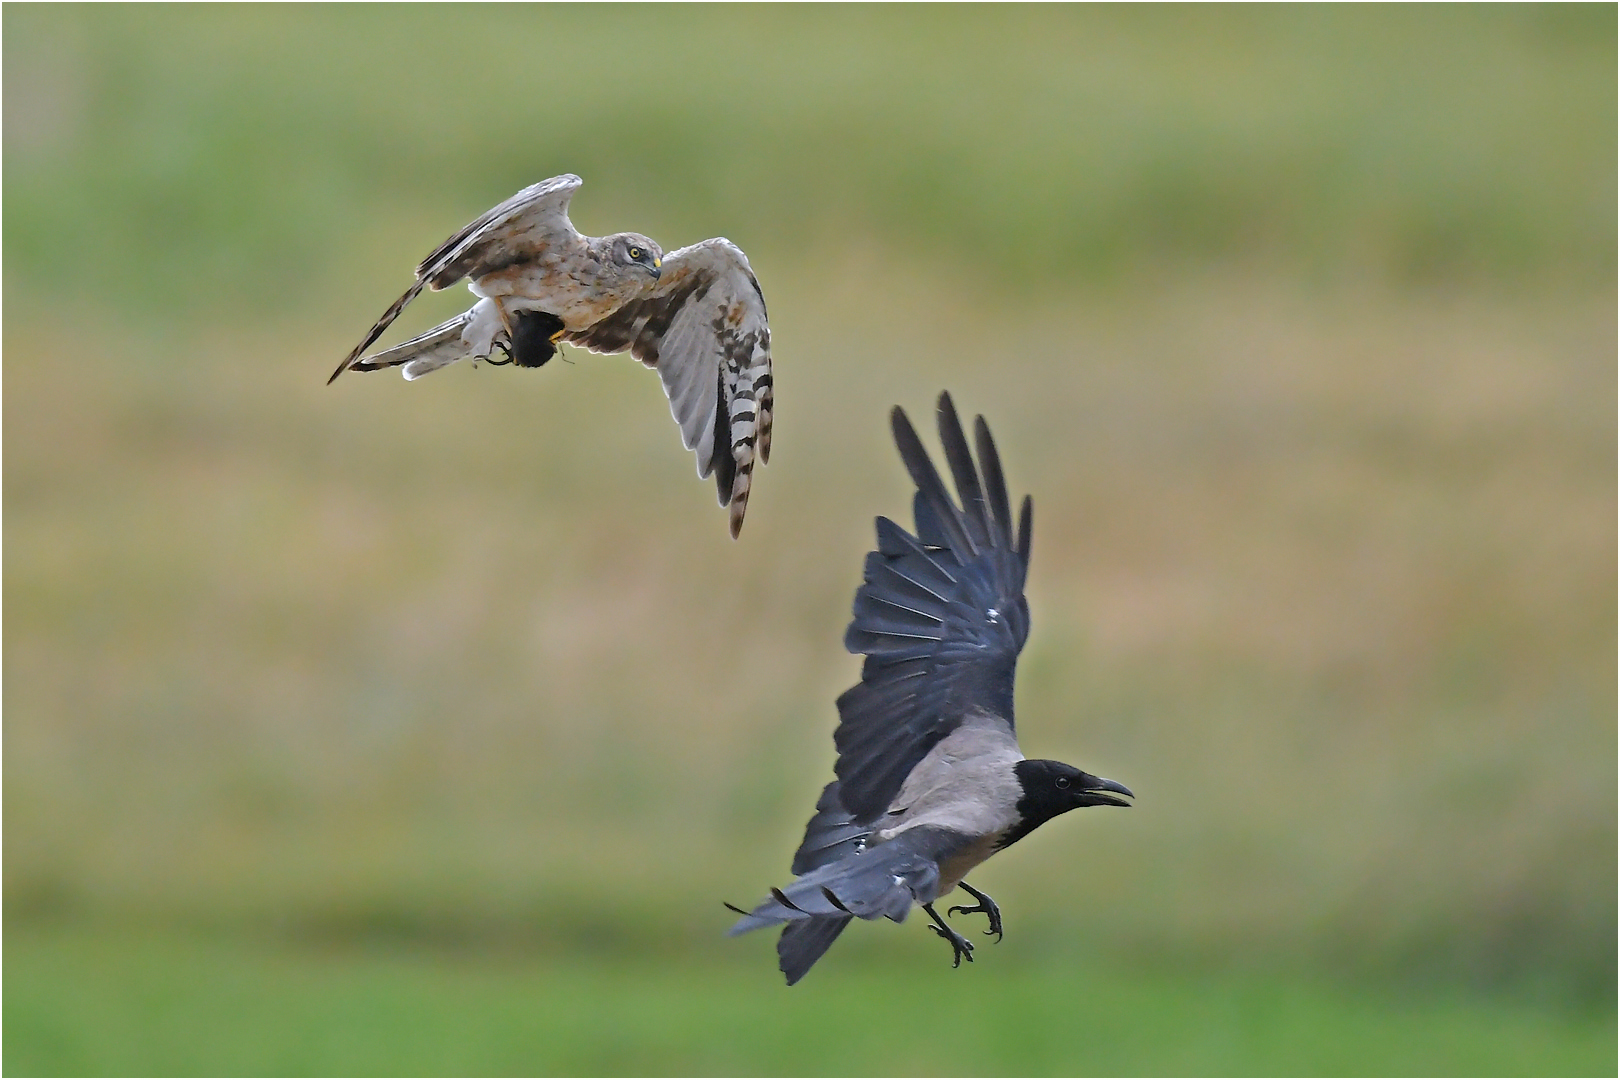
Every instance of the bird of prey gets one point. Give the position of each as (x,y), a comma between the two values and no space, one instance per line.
(930,780)
(696,314)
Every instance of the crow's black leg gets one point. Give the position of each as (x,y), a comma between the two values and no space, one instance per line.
(962,946)
(506,352)
(986,905)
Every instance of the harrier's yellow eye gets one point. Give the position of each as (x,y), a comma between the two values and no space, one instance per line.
(635,253)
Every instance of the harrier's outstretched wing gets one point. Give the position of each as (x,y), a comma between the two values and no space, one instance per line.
(518,228)
(704,329)
(941,618)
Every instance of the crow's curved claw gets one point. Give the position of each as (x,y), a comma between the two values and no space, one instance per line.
(960,946)
(985,905)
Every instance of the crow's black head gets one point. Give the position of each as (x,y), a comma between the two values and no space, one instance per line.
(1052,788)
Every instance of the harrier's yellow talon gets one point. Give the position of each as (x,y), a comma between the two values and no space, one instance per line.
(505,322)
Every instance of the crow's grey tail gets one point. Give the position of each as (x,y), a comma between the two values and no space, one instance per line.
(802,944)
(881,882)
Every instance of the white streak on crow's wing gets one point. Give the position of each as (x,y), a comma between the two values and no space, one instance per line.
(704,328)
(831,834)
(941,618)
(518,228)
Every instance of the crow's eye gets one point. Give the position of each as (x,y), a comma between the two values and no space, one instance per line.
(1062,781)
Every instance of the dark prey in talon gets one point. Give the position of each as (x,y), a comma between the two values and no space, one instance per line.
(534,337)
(930,779)
(697,315)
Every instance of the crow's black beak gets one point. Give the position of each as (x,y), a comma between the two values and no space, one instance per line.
(1105,792)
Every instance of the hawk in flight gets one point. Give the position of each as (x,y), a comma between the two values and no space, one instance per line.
(696,315)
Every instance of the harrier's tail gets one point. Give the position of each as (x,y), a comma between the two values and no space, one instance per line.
(383,323)
(439,347)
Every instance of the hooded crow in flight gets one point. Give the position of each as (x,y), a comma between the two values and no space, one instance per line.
(930,779)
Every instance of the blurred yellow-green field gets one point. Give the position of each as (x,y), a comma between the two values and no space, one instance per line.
(423,728)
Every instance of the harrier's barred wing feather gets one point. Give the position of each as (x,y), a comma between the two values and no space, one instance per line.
(941,618)
(703,327)
(500,236)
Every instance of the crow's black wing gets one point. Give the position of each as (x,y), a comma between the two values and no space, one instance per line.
(941,618)
(831,834)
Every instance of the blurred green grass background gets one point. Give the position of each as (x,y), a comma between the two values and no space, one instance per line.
(422,728)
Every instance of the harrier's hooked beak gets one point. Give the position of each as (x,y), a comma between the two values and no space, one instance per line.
(657,268)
